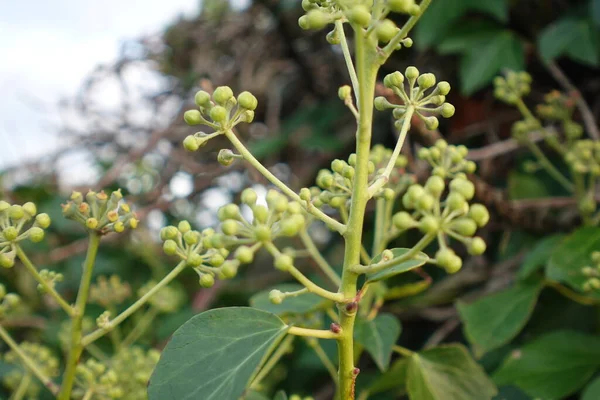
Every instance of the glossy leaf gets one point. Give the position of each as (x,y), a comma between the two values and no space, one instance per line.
(415,262)
(538,256)
(495,320)
(585,49)
(592,390)
(552,366)
(447,373)
(378,336)
(214,355)
(302,304)
(572,255)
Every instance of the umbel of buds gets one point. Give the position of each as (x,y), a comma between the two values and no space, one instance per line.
(448,161)
(18,223)
(420,93)
(99,212)
(511,88)
(46,362)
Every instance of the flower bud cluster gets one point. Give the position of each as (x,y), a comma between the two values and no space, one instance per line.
(411,88)
(95,376)
(521,129)
(592,273)
(512,87)
(99,212)
(8,301)
(44,359)
(448,161)
(167,300)
(221,111)
(134,366)
(584,157)
(51,278)
(449,217)
(108,292)
(14,227)
(557,107)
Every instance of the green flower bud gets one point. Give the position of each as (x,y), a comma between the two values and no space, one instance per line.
(304,23)
(4,206)
(170,247)
(477,246)
(432,123)
(395,79)
(447,259)
(294,207)
(226,157)
(10,233)
(229,211)
(276,297)
(344,92)
(118,226)
(36,234)
(338,166)
(289,227)
(249,197)
(415,192)
(429,224)
(191,238)
(456,201)
(262,233)
(334,37)
(425,203)
(16,212)
(168,233)
(248,101)
(386,30)
(443,88)
(403,221)
(479,214)
(411,73)
(190,143)
(194,260)
(382,104)
(401,6)
(359,15)
(30,209)
(244,254)
(6,261)
(426,81)
(193,117)
(216,260)
(230,227)
(261,213)
(435,185)
(407,42)
(206,280)
(184,227)
(218,114)
(202,99)
(229,269)
(447,110)
(464,226)
(222,95)
(317,19)
(464,187)
(388,194)
(284,262)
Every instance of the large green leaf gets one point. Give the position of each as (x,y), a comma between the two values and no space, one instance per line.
(554,40)
(378,336)
(447,373)
(437,19)
(539,255)
(592,390)
(483,63)
(494,320)
(302,304)
(414,262)
(572,255)
(393,378)
(552,366)
(585,49)
(525,186)
(214,355)
(467,35)
(595,11)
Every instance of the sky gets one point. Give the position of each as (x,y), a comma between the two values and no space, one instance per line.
(46,49)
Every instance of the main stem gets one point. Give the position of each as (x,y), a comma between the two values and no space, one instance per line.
(77,322)
(366,67)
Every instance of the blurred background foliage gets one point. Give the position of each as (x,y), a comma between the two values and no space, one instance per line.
(135,143)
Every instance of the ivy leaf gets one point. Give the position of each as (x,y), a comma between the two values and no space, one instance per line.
(585,49)
(495,320)
(483,63)
(415,262)
(496,8)
(447,373)
(303,304)
(378,336)
(572,255)
(393,378)
(435,22)
(575,37)
(592,390)
(552,366)
(539,255)
(214,355)
(463,37)
(525,186)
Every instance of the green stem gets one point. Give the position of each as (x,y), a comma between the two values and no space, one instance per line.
(379,239)
(283,348)
(140,327)
(403,351)
(19,394)
(330,222)
(97,334)
(549,167)
(76,346)
(47,288)
(339,26)
(393,44)
(316,346)
(28,362)
(88,395)
(318,257)
(313,333)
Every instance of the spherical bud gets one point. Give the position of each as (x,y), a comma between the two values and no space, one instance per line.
(305,194)
(118,226)
(447,110)
(386,30)
(229,269)
(184,227)
(222,95)
(334,37)
(10,233)
(400,6)
(16,212)
(261,213)
(464,187)
(407,202)
(407,42)
(317,19)
(382,104)
(388,194)
(30,209)
(193,117)
(194,260)
(276,297)
(325,179)
(426,81)
(229,211)
(191,238)
(479,214)
(470,167)
(403,221)
(411,73)
(289,227)
(303,22)
(294,207)
(477,246)
(344,92)
(432,123)
(4,206)
(337,202)
(359,15)
(284,262)
(36,234)
(190,143)
(230,227)
(429,224)
(464,226)
(262,233)
(247,101)
(168,233)
(415,10)
(216,260)
(348,172)
(337,165)
(226,157)
(206,280)
(6,261)
(455,201)
(387,255)
(218,114)
(395,79)
(425,203)
(244,254)
(202,99)
(415,192)
(443,88)
(446,258)
(435,185)
(170,247)
(249,197)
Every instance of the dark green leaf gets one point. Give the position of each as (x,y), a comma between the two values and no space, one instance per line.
(303,304)
(539,255)
(437,19)
(494,320)
(572,255)
(415,262)
(378,336)
(393,378)
(592,390)
(496,8)
(447,373)
(254,395)
(552,366)
(483,63)
(525,186)
(585,48)
(214,355)
(554,40)
(595,11)
(511,393)
(466,36)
